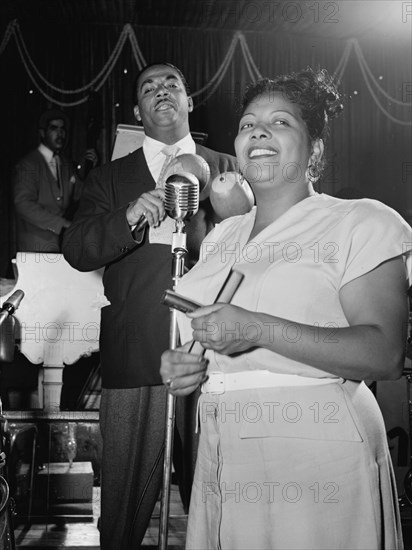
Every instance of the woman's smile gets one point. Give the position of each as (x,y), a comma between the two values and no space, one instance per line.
(257,152)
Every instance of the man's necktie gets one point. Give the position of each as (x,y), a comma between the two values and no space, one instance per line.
(164,233)
(58,175)
(170,152)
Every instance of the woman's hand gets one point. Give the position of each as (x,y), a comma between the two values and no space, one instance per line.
(182,372)
(225,328)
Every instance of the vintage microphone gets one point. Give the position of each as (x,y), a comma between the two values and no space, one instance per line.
(181,203)
(196,165)
(185,165)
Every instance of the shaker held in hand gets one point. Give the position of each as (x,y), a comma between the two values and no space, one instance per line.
(231,195)
(194,164)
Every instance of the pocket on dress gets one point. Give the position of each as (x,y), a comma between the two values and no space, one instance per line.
(305,412)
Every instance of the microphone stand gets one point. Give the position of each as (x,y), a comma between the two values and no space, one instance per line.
(179,252)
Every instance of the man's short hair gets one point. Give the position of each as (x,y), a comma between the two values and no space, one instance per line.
(52,114)
(155,64)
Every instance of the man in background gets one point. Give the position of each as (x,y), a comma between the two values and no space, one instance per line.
(46,187)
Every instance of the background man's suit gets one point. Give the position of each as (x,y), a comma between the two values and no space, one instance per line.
(39,212)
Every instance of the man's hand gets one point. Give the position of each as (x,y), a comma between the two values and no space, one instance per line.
(92,156)
(150,205)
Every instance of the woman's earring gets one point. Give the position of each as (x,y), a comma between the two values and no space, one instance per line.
(312,171)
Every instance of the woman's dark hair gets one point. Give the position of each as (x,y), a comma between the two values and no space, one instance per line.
(155,64)
(314,92)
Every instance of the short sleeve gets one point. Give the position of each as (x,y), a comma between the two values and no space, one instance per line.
(375,233)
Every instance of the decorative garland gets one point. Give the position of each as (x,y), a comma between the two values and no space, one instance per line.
(39,81)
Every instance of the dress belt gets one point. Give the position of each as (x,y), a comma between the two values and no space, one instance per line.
(220,382)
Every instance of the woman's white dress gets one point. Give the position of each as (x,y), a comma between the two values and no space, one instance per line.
(299,467)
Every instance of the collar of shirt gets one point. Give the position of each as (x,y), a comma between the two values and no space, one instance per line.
(152,149)
(46,152)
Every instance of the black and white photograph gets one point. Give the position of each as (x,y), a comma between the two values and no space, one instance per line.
(206,275)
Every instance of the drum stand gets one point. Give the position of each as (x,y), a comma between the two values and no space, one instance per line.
(7,340)
(7,541)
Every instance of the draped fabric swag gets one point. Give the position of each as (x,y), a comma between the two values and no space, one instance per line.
(368,150)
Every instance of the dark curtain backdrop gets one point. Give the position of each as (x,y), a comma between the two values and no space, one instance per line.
(367,151)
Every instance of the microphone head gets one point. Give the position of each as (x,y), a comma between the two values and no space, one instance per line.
(231,195)
(194,164)
(181,196)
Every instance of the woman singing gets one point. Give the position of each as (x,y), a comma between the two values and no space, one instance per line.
(293,451)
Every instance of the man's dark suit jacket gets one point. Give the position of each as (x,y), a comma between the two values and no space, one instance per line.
(39,213)
(135,326)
